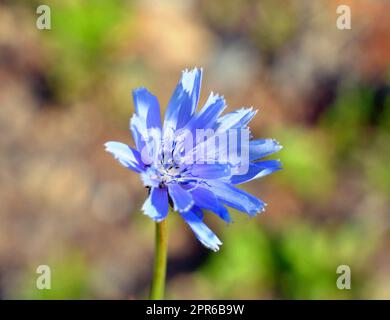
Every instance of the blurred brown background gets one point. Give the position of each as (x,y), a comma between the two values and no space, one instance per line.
(322,92)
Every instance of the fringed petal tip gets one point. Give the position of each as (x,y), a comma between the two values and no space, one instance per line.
(202,232)
(155,219)
(216,247)
(256,213)
(194,69)
(216,96)
(181,198)
(212,246)
(138,89)
(191,77)
(277,145)
(156,205)
(127,156)
(187,208)
(262,210)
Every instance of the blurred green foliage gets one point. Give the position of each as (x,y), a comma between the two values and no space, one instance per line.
(307,155)
(80,41)
(269,24)
(348,119)
(246,261)
(296,261)
(376,163)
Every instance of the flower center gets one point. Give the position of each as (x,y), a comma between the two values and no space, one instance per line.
(161,174)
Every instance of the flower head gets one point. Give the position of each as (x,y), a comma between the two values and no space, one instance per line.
(193,160)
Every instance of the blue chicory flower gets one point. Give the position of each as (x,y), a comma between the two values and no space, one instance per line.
(193,160)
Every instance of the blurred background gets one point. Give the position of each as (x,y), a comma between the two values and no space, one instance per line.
(322,92)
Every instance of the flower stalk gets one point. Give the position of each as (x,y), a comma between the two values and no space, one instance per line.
(160,261)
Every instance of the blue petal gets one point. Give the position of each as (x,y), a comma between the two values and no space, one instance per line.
(156,205)
(257,170)
(222,212)
(202,232)
(147,108)
(198,211)
(210,171)
(209,113)
(137,128)
(220,148)
(183,103)
(208,150)
(236,119)
(146,118)
(148,142)
(207,200)
(127,156)
(263,147)
(204,120)
(182,199)
(236,198)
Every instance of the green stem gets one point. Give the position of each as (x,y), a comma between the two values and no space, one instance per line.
(160,261)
